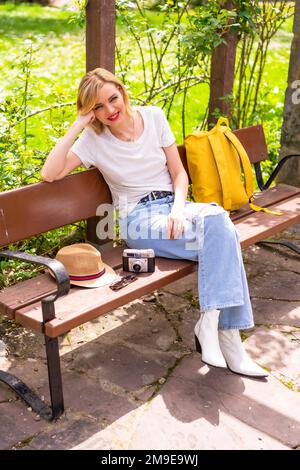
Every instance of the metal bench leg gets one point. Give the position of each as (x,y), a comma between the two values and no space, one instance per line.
(52,350)
(53,361)
(55,385)
(289,245)
(54,376)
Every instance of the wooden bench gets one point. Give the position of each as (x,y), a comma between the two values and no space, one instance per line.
(41,303)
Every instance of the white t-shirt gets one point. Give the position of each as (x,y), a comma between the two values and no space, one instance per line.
(131,169)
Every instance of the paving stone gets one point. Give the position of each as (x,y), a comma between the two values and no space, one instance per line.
(107,323)
(117,435)
(65,433)
(148,323)
(34,374)
(259,258)
(3,349)
(264,405)
(6,393)
(99,398)
(17,424)
(24,343)
(186,326)
(167,432)
(172,302)
(96,328)
(279,352)
(214,414)
(276,312)
(284,285)
(145,394)
(296,334)
(122,366)
(3,363)
(188,283)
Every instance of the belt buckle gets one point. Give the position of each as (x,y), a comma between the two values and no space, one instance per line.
(153,196)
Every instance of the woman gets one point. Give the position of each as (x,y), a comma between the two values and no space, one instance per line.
(135,150)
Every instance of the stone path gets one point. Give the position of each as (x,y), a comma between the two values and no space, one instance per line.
(132,379)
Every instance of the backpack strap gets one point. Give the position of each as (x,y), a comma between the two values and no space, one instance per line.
(264,209)
(248,173)
(222,120)
(222,168)
(246,165)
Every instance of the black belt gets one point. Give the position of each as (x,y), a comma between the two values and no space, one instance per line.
(155,195)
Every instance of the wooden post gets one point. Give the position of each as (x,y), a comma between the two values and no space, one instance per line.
(222,72)
(100,34)
(100,52)
(290,133)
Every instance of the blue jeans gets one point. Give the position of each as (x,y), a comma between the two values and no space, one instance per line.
(210,238)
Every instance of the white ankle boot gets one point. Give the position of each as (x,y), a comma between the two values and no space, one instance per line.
(235,355)
(207,340)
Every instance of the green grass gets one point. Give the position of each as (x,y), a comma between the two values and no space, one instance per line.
(58,59)
(275,84)
(32,18)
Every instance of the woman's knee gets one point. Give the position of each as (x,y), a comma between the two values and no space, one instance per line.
(219,222)
(200,209)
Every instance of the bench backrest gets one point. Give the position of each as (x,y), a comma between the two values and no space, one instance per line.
(41,207)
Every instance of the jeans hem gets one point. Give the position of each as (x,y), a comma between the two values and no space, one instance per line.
(221,306)
(236,327)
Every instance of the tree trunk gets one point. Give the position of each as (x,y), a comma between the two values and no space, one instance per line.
(290,134)
(100,34)
(100,52)
(222,74)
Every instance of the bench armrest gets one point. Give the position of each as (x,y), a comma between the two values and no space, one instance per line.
(56,267)
(262,186)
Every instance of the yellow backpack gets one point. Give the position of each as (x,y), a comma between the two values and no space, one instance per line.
(217,162)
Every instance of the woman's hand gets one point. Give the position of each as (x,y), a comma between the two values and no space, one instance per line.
(175,223)
(84,120)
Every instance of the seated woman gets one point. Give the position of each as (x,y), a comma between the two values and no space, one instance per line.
(135,150)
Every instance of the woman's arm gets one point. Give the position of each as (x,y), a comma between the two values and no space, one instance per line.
(60,160)
(180,185)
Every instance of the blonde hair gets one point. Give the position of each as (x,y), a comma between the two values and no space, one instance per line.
(88,92)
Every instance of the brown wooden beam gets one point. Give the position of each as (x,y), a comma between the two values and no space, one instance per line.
(100,34)
(222,72)
(290,133)
(100,52)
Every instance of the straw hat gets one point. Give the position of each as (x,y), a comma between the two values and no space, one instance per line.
(84,265)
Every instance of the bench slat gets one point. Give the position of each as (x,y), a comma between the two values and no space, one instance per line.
(259,225)
(25,293)
(32,290)
(267,198)
(82,305)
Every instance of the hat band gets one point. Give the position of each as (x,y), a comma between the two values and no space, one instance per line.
(88,277)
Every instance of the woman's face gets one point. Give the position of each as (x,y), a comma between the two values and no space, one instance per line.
(110,108)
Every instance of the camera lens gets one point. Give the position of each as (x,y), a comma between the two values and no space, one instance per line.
(136,268)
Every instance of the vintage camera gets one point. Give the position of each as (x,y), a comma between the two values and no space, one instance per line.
(139,261)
